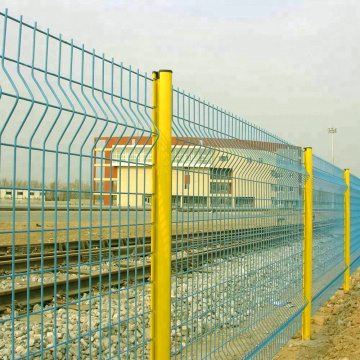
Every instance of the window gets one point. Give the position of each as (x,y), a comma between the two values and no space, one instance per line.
(186,181)
(223,158)
(277,203)
(195,156)
(217,201)
(292,204)
(124,155)
(194,201)
(140,155)
(280,161)
(178,155)
(174,200)
(134,155)
(147,199)
(281,188)
(116,154)
(274,187)
(200,200)
(32,193)
(20,193)
(244,201)
(8,193)
(114,186)
(205,157)
(220,174)
(219,188)
(291,189)
(276,174)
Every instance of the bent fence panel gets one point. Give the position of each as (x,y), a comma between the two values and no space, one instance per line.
(238,229)
(328,230)
(75,147)
(76,167)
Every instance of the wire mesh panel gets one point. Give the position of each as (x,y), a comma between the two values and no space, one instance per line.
(237,226)
(354,222)
(75,170)
(328,230)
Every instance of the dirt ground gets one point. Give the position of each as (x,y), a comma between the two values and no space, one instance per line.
(335,329)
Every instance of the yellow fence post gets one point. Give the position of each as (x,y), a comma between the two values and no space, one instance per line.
(161,218)
(347,230)
(308,232)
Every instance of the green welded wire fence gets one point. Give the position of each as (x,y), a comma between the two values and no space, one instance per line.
(76,194)
(328,230)
(237,277)
(75,138)
(354,222)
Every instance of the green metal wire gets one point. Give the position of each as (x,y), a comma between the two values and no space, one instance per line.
(328,230)
(76,141)
(354,222)
(238,225)
(67,116)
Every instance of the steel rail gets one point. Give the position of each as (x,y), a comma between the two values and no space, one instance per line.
(85,244)
(142,271)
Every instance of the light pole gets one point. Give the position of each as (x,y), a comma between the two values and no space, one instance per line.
(332,131)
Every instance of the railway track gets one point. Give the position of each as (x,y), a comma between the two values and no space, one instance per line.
(96,243)
(107,250)
(63,258)
(222,243)
(123,275)
(71,245)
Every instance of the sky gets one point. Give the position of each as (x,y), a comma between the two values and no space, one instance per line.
(290,67)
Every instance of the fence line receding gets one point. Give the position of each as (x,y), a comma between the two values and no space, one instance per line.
(139,221)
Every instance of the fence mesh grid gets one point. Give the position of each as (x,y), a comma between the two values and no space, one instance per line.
(76,194)
(328,230)
(75,142)
(238,230)
(354,222)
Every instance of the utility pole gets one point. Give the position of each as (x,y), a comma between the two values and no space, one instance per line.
(332,131)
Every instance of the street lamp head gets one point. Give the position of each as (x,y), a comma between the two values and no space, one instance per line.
(332,131)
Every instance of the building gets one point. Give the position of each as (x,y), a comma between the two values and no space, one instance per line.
(208,173)
(20,194)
